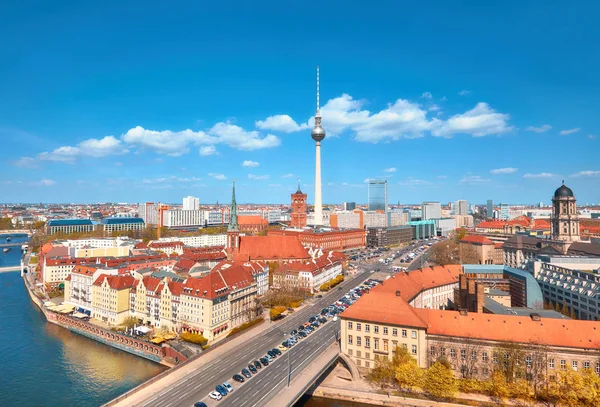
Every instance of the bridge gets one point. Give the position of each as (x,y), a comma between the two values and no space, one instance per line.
(16,232)
(12,245)
(10,268)
(193,381)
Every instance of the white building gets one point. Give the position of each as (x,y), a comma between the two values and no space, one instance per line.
(431,210)
(176,218)
(348,219)
(504,212)
(375,219)
(445,226)
(191,203)
(148,212)
(198,241)
(461,207)
(78,285)
(398,218)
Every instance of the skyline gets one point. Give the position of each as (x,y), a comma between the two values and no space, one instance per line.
(123,108)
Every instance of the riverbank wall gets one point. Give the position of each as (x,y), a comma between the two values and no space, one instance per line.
(117,340)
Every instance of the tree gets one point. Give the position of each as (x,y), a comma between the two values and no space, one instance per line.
(497,387)
(439,381)
(537,356)
(129,322)
(408,375)
(446,252)
(510,361)
(383,373)
(469,352)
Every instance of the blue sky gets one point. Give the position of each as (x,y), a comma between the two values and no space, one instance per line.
(145,101)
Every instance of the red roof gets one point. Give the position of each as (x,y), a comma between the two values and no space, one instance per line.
(272,247)
(476,239)
(412,283)
(251,220)
(492,224)
(520,221)
(159,245)
(118,282)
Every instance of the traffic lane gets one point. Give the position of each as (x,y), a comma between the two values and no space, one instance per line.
(254,349)
(263,386)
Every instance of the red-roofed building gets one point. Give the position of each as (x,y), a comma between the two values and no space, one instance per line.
(309,275)
(475,249)
(110,298)
(382,320)
(167,247)
(270,248)
(338,240)
(252,223)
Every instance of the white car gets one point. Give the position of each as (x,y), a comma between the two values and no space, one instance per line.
(335,318)
(228,387)
(215,395)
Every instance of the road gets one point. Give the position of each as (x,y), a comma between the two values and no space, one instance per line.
(196,387)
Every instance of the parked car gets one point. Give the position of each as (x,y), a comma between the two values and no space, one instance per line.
(269,357)
(246,373)
(200,404)
(239,378)
(252,368)
(222,390)
(215,395)
(264,361)
(257,364)
(228,387)
(282,348)
(276,351)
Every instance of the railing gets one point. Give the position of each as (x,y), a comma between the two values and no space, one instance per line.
(305,388)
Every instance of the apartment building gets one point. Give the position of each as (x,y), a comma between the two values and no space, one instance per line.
(110,298)
(198,241)
(310,275)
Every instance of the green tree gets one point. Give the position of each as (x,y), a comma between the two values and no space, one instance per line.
(129,322)
(439,381)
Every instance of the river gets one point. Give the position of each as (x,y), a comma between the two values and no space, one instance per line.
(46,365)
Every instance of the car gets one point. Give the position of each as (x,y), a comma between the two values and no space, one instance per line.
(252,368)
(228,387)
(269,357)
(215,395)
(300,327)
(311,319)
(302,334)
(257,364)
(324,311)
(264,361)
(276,351)
(294,332)
(239,378)
(200,404)
(246,373)
(319,296)
(335,318)
(222,390)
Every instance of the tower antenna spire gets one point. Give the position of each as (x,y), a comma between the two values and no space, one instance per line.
(318,94)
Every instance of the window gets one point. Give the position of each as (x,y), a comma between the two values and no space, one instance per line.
(358,341)
(574,365)
(474,355)
(485,371)
(432,351)
(385,330)
(367,342)
(376,343)
(349,325)
(413,335)
(367,355)
(349,352)
(563,364)
(376,329)
(442,351)
(586,365)
(404,333)
(358,354)
(358,363)
(394,332)
(551,363)
(414,349)
(349,339)
(358,326)
(484,356)
(495,358)
(463,354)
(367,328)
(598,367)
(385,346)
(367,364)
(452,352)
(528,361)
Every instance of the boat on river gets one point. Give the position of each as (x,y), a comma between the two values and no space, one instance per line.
(6,249)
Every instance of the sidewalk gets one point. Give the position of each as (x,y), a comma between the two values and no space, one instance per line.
(203,359)
(300,382)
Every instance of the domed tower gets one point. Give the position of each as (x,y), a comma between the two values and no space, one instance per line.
(318,134)
(565,220)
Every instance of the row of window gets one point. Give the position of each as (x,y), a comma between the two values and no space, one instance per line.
(367,328)
(376,343)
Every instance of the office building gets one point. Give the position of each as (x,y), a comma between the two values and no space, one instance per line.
(423,229)
(489,209)
(348,206)
(347,219)
(112,225)
(389,236)
(461,207)
(376,219)
(69,226)
(431,210)
(378,195)
(191,203)
(504,211)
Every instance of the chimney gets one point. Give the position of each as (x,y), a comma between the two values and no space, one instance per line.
(535,317)
(463,312)
(397,293)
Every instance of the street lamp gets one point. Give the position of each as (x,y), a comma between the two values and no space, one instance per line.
(289,375)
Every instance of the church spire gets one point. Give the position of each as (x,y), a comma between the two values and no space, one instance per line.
(299,191)
(233,219)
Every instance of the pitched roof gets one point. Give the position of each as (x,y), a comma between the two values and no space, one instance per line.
(584,248)
(412,283)
(272,247)
(476,239)
(118,282)
(251,220)
(492,224)
(522,242)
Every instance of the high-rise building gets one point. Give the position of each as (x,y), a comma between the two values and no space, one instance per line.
(431,210)
(378,195)
(489,209)
(461,207)
(348,206)
(149,213)
(298,209)
(191,203)
(318,134)
(504,211)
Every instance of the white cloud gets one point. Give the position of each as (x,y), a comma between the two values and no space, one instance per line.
(540,175)
(391,169)
(433,108)
(442,177)
(464,92)
(171,179)
(249,163)
(427,95)
(474,179)
(414,182)
(569,131)
(96,148)
(479,121)
(586,174)
(507,170)
(240,139)
(46,182)
(280,122)
(257,177)
(205,151)
(591,136)
(215,175)
(289,175)
(542,129)
(25,162)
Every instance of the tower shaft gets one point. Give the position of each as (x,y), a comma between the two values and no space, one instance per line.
(318,198)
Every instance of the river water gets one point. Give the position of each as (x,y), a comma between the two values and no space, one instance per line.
(323,402)
(46,365)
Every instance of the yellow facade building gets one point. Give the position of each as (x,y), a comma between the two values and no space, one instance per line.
(110,298)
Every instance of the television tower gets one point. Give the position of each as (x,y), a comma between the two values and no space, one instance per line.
(318,134)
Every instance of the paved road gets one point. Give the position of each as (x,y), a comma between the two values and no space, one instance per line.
(197,386)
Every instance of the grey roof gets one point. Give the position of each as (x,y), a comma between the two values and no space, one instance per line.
(494,307)
(584,248)
(522,242)
(563,191)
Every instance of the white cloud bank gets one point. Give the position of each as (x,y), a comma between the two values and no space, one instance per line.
(507,170)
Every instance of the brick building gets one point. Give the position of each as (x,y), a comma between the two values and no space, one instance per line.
(298,217)
(480,250)
(337,240)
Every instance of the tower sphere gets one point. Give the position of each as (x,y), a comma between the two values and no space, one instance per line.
(317,133)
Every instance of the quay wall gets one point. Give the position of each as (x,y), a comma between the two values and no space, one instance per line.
(126,343)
